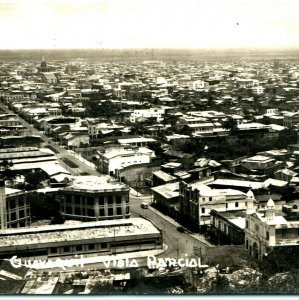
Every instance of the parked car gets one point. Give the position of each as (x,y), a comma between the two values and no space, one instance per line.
(144,205)
(181,229)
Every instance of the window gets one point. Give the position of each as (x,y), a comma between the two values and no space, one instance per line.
(118,210)
(68,210)
(110,200)
(91,247)
(68,199)
(103,245)
(127,199)
(257,228)
(21,201)
(110,211)
(118,199)
(53,250)
(210,199)
(77,211)
(90,213)
(226,205)
(79,248)
(101,200)
(267,235)
(13,216)
(12,203)
(246,244)
(77,200)
(90,201)
(66,249)
(247,224)
(203,199)
(102,212)
(203,210)
(21,214)
(127,209)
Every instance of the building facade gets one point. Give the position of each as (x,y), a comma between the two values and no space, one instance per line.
(91,198)
(14,208)
(197,200)
(65,241)
(267,233)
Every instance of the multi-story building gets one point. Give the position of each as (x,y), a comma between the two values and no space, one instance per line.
(257,90)
(291,119)
(197,200)
(157,113)
(99,129)
(119,157)
(91,198)
(14,207)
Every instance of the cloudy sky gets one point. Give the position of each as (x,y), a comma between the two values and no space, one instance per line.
(149,24)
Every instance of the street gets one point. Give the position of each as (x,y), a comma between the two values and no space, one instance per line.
(60,152)
(180,245)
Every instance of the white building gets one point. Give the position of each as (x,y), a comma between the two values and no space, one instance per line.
(147,113)
(198,85)
(265,231)
(117,158)
(258,90)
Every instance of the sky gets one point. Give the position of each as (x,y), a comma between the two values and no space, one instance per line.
(206,24)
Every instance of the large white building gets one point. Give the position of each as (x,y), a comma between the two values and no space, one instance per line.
(117,158)
(157,113)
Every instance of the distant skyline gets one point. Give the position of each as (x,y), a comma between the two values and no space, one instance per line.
(203,24)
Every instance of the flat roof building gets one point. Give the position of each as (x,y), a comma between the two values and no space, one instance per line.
(91,198)
(101,237)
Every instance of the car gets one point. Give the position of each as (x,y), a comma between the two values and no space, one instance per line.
(181,229)
(144,205)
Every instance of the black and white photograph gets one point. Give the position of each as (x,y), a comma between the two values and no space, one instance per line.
(149,147)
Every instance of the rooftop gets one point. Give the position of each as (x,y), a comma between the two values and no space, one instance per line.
(164,176)
(169,190)
(95,184)
(136,140)
(76,232)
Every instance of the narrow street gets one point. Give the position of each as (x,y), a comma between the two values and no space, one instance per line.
(61,153)
(180,245)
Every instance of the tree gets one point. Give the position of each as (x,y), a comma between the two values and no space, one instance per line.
(230,124)
(5,169)
(44,207)
(286,137)
(34,179)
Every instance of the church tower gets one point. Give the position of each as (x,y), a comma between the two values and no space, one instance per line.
(43,66)
(250,199)
(270,209)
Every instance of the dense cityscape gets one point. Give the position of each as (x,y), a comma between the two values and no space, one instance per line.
(148,175)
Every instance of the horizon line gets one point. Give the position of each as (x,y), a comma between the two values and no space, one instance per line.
(280,48)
